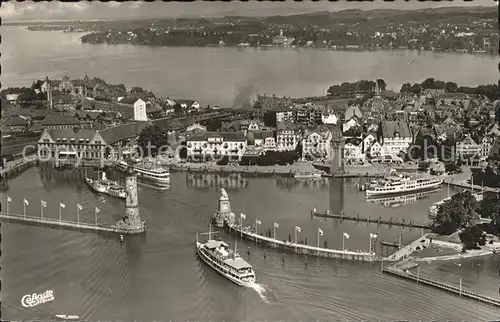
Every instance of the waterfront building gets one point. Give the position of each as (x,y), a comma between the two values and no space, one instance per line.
(395,137)
(87,144)
(137,105)
(212,144)
(468,147)
(316,143)
(374,150)
(353,150)
(264,140)
(288,136)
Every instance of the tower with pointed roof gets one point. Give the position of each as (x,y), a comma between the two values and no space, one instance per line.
(337,150)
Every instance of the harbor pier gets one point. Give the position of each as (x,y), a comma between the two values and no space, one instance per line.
(302,249)
(460,291)
(378,220)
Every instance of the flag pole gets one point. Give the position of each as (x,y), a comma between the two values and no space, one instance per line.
(318,241)
(343,245)
(370,247)
(7,205)
(41,210)
(95,216)
(78,215)
(59,212)
(24,209)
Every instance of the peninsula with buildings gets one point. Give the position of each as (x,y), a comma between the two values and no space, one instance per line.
(471,29)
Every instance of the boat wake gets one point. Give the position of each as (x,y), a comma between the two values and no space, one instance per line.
(261,291)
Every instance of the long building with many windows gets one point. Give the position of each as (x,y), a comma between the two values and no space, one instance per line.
(216,144)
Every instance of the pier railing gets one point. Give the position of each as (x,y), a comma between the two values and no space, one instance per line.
(444,286)
(301,248)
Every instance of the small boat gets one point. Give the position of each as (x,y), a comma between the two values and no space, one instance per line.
(148,171)
(226,262)
(307,175)
(67,317)
(105,186)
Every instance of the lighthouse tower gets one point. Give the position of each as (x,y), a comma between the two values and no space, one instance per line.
(132,223)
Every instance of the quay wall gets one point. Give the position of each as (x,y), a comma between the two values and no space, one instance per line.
(17,169)
(65,224)
(302,249)
(443,286)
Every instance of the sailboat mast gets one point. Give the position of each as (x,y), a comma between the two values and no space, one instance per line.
(209,231)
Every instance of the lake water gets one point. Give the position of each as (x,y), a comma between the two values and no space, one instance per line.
(226,76)
(158,276)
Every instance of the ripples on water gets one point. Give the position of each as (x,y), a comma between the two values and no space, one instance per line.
(157,276)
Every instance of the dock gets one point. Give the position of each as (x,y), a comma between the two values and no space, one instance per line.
(378,221)
(460,291)
(62,224)
(301,248)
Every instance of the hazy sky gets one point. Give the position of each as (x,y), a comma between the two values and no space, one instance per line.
(54,10)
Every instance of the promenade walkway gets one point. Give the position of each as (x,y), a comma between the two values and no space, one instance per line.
(300,248)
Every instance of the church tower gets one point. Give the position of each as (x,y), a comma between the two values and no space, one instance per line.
(132,223)
(49,92)
(337,150)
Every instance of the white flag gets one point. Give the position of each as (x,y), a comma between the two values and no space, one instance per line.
(9,199)
(243,216)
(346,235)
(79,207)
(258,222)
(97,210)
(62,205)
(276,225)
(297,228)
(373,235)
(44,204)
(26,202)
(320,232)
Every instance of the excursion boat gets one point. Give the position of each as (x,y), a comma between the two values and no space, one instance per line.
(401,184)
(225,261)
(105,186)
(67,317)
(307,175)
(148,172)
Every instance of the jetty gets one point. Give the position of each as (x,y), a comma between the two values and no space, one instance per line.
(63,224)
(224,218)
(378,220)
(460,291)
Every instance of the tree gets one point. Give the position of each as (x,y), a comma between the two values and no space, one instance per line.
(450,87)
(472,237)
(405,88)
(270,119)
(416,89)
(455,213)
(178,110)
(152,139)
(381,84)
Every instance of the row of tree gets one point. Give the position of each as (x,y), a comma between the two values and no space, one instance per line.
(491,91)
(358,87)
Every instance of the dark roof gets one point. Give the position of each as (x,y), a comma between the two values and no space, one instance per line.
(122,132)
(354,141)
(72,134)
(59,119)
(262,134)
(390,128)
(16,121)
(286,126)
(129,100)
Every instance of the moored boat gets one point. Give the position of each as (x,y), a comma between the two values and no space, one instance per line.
(67,317)
(399,184)
(307,175)
(105,186)
(218,255)
(148,171)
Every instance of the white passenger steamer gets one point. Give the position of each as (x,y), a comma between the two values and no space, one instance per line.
(228,263)
(148,172)
(399,184)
